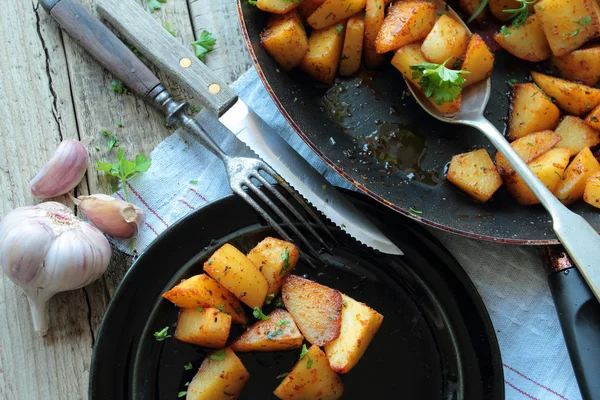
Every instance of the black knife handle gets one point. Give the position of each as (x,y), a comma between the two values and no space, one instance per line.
(579,316)
(103,45)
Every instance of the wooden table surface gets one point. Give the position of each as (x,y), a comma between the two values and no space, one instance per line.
(52,90)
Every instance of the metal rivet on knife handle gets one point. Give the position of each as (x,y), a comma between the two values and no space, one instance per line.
(214,88)
(185,62)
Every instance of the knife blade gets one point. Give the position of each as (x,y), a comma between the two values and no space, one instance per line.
(167,53)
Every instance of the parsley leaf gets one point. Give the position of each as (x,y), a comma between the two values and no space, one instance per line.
(252,2)
(218,355)
(280,376)
(188,366)
(123,169)
(286,261)
(154,5)
(199,309)
(194,109)
(282,322)
(309,363)
(204,44)
(439,82)
(182,394)
(339,29)
(162,334)
(258,314)
(117,87)
(194,182)
(584,20)
(303,352)
(220,308)
(112,142)
(519,15)
(269,298)
(169,28)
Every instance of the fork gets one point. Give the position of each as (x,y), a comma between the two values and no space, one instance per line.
(242,172)
(577,236)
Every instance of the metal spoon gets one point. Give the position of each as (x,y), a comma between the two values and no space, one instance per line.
(581,241)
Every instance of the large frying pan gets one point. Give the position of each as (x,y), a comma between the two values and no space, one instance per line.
(337,121)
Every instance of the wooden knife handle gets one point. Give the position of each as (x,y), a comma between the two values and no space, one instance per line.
(166,52)
(103,45)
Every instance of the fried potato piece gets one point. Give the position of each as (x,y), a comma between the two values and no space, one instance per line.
(275,258)
(446,42)
(470,6)
(203,291)
(276,6)
(206,327)
(406,22)
(549,168)
(591,194)
(479,61)
(374,16)
(475,174)
(307,7)
(238,274)
(221,376)
(332,12)
(527,42)
(360,323)
(576,134)
(582,65)
(311,378)
(528,148)
(593,118)
(353,45)
(285,40)
(277,333)
(410,55)
(316,309)
(568,23)
(572,97)
(531,111)
(572,185)
(324,52)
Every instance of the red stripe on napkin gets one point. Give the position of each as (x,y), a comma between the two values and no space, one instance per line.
(537,383)
(147,205)
(520,391)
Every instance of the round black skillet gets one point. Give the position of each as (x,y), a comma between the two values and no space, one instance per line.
(436,340)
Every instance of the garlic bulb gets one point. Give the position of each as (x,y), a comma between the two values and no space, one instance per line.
(113,216)
(45,250)
(62,172)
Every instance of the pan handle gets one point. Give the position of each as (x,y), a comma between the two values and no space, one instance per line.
(579,315)
(167,53)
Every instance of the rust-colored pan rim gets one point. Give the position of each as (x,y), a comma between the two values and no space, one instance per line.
(362,188)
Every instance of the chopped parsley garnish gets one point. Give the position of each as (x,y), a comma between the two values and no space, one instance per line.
(169,28)
(339,29)
(258,314)
(415,211)
(439,82)
(286,261)
(154,5)
(120,124)
(252,2)
(188,366)
(112,142)
(194,109)
(218,355)
(512,81)
(303,351)
(519,15)
(271,335)
(278,302)
(584,20)
(282,322)
(194,182)
(204,44)
(281,376)
(162,334)
(269,298)
(309,363)
(117,87)
(199,309)
(505,31)
(182,394)
(324,187)
(124,168)
(220,308)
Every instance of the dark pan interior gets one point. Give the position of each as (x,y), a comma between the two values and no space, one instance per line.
(340,121)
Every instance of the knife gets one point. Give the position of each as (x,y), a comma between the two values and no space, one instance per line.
(167,53)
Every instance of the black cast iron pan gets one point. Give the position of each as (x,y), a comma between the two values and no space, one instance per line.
(436,341)
(341,124)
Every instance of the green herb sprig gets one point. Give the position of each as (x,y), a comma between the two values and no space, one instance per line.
(439,82)
(204,44)
(124,169)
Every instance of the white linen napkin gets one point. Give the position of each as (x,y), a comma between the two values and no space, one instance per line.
(511,280)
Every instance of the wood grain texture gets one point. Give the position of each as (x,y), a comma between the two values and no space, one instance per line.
(51,89)
(167,53)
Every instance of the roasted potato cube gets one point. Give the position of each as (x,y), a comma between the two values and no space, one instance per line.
(591,194)
(470,6)
(277,333)
(572,185)
(203,291)
(498,7)
(307,7)
(582,65)
(527,42)
(406,22)
(275,259)
(479,61)
(572,97)
(410,55)
(447,41)
(576,134)
(475,174)
(221,376)
(232,269)
(531,111)
(277,6)
(206,327)
(332,12)
(316,309)
(353,45)
(593,118)
(528,148)
(324,52)
(359,324)
(548,167)
(374,16)
(311,378)
(568,23)
(286,41)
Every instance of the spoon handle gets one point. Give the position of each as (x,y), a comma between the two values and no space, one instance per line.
(581,241)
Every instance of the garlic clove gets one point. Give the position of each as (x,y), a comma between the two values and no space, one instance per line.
(112,216)
(62,172)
